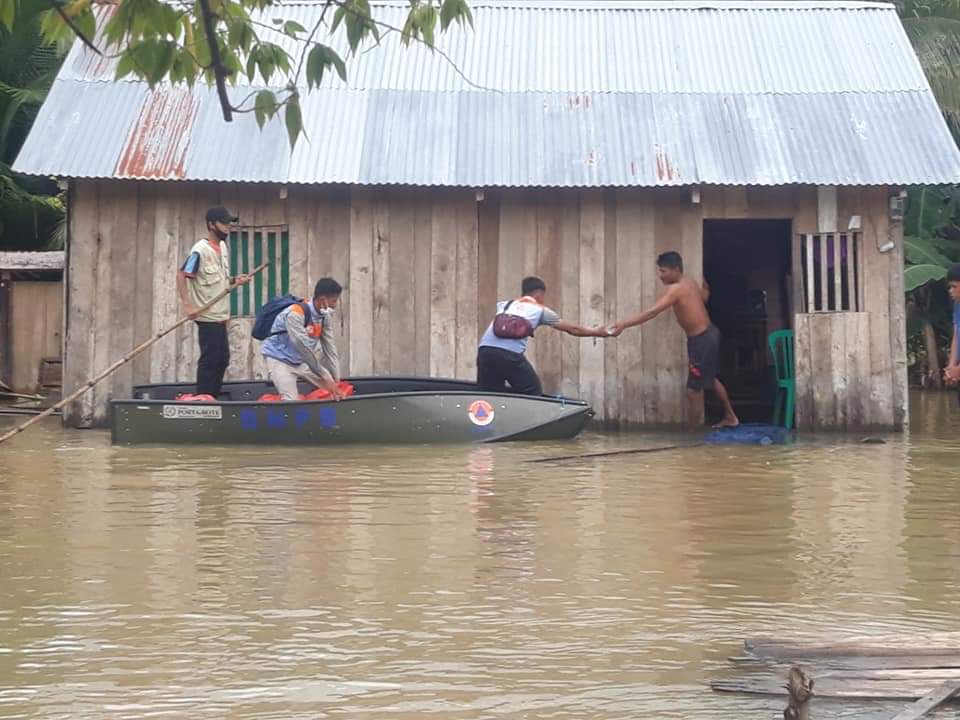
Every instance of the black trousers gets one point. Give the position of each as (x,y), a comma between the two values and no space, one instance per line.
(496,366)
(214,357)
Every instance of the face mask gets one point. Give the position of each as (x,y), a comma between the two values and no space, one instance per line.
(218,232)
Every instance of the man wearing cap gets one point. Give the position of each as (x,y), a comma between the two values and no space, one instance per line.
(205,274)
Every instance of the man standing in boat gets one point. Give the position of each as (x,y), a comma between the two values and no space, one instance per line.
(688,301)
(301,347)
(500,358)
(206,273)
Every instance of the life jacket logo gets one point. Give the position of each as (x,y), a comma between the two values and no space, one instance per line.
(480,413)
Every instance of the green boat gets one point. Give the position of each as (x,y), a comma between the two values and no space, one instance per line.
(381,410)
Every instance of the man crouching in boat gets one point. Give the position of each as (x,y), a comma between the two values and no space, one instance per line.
(500,359)
(301,345)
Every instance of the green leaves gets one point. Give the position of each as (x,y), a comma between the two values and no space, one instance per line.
(265,105)
(455,10)
(8,13)
(356,18)
(293,119)
(319,60)
(162,41)
(266,58)
(924,251)
(916,276)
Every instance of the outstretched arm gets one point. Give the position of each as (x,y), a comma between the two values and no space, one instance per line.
(665,301)
(579,330)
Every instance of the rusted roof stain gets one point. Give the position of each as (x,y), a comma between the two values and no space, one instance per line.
(666,171)
(159,139)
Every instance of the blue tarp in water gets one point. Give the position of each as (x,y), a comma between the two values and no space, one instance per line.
(750,434)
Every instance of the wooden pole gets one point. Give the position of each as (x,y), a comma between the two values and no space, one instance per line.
(125,359)
(932,700)
(800,690)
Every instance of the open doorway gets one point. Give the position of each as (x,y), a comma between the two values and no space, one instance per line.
(747,264)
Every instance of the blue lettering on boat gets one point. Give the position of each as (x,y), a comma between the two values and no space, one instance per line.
(248,419)
(328,417)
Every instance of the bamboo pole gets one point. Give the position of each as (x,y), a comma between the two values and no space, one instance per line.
(119,363)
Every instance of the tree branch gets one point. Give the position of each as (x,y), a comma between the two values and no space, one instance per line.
(216,63)
(434,48)
(73,26)
(309,41)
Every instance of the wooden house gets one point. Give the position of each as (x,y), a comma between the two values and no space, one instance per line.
(768,142)
(31,321)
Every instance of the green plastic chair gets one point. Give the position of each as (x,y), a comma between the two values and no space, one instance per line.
(781,348)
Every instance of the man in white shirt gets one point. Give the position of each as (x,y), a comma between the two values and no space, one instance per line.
(500,359)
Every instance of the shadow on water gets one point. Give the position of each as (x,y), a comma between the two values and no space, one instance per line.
(459,582)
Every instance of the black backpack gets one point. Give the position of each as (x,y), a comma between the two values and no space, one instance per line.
(263,323)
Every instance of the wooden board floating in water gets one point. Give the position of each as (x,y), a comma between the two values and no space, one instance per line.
(931,701)
(934,645)
(839,688)
(870,662)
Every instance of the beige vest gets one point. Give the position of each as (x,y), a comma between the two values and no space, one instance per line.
(213,277)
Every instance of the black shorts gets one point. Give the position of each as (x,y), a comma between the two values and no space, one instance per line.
(497,368)
(703,352)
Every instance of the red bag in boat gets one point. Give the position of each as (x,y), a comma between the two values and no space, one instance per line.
(346,389)
(190,397)
(319,394)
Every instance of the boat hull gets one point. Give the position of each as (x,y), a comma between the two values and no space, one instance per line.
(424,411)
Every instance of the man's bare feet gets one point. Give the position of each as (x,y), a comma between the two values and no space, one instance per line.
(729,421)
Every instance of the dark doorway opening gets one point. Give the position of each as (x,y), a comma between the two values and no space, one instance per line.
(747,264)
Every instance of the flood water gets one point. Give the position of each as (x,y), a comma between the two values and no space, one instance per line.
(457,582)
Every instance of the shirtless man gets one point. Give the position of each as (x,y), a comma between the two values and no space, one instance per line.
(703,338)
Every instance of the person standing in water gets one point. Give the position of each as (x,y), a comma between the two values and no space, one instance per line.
(688,301)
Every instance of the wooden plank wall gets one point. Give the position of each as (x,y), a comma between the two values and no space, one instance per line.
(851,367)
(422,270)
(36,322)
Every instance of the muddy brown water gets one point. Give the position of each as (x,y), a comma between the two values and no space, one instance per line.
(457,582)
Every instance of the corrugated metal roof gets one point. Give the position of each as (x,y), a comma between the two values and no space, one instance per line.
(551,94)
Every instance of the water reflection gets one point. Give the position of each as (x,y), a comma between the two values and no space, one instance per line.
(458,582)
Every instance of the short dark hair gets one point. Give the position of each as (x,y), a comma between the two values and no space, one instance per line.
(327,287)
(670,260)
(953,273)
(532,284)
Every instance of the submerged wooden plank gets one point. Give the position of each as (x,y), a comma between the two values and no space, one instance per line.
(855,663)
(852,689)
(932,700)
(939,644)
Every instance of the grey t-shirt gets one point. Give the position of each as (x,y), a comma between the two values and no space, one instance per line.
(524,307)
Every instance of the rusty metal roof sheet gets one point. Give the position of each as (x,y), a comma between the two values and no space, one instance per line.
(559,93)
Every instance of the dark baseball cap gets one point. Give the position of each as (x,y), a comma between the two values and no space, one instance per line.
(221,215)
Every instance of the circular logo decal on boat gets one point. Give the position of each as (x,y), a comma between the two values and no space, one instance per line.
(480,413)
